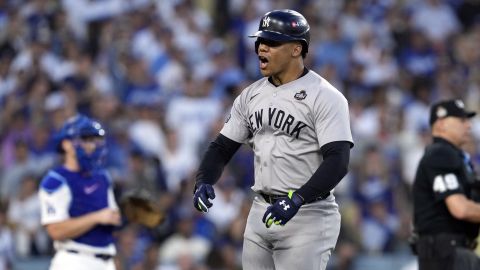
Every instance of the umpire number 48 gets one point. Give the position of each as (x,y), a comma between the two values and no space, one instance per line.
(442,183)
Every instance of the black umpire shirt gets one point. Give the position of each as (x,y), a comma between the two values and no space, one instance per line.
(442,171)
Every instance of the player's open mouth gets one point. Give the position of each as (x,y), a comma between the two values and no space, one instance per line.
(263,62)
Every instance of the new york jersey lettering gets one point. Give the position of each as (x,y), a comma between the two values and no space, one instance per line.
(278,120)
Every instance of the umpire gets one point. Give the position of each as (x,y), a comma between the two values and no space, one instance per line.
(445,199)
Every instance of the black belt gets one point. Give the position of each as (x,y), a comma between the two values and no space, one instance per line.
(272,198)
(455,240)
(104,257)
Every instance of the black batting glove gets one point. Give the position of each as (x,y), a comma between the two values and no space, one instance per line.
(203,193)
(282,210)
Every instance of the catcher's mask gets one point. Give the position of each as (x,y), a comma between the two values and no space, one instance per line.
(79,129)
(283,26)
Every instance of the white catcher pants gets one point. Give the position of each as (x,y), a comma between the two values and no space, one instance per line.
(79,261)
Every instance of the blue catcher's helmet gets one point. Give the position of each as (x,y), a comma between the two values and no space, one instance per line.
(78,128)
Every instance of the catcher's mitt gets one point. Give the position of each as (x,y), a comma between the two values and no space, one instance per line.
(139,206)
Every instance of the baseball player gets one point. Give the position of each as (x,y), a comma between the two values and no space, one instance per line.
(77,203)
(446,198)
(298,126)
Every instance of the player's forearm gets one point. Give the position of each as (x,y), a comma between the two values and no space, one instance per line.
(218,154)
(333,168)
(72,227)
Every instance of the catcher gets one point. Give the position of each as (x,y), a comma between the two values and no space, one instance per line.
(78,208)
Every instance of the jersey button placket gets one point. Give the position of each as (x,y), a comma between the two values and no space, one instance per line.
(274,96)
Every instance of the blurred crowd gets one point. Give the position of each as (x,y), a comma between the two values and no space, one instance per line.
(161,75)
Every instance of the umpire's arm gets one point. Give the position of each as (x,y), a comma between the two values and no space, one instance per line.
(463,208)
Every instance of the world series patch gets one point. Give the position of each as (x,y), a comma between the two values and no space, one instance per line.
(300,95)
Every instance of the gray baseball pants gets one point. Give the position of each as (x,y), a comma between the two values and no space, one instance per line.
(305,242)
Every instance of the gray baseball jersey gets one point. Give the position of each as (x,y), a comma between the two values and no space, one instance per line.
(286,126)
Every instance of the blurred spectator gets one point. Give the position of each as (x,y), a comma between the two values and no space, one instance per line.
(24,165)
(40,146)
(366,51)
(170,69)
(57,109)
(143,171)
(352,24)
(224,71)
(415,115)
(119,147)
(375,196)
(437,20)
(16,129)
(7,249)
(383,72)
(37,56)
(7,82)
(418,57)
(378,228)
(228,202)
(82,12)
(145,129)
(349,242)
(376,119)
(412,145)
(151,257)
(373,181)
(239,166)
(139,86)
(184,247)
(178,161)
(40,142)
(190,115)
(468,12)
(24,216)
(223,257)
(132,248)
(333,49)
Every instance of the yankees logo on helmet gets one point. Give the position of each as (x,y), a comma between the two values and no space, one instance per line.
(266,22)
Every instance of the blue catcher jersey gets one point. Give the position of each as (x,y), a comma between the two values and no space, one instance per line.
(65,194)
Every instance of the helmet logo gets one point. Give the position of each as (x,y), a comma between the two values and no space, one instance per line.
(459,104)
(298,23)
(441,112)
(266,22)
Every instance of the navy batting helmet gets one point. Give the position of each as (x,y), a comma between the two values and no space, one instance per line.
(283,26)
